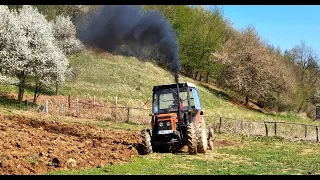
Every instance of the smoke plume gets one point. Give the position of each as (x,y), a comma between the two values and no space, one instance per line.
(129,30)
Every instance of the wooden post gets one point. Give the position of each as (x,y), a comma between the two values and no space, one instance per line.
(116,110)
(305,131)
(77,105)
(69,101)
(220,121)
(128,118)
(47,106)
(62,109)
(275,128)
(266,126)
(116,101)
(94,99)
(317,133)
(86,99)
(27,102)
(59,107)
(241,125)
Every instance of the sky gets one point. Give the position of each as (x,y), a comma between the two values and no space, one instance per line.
(281,25)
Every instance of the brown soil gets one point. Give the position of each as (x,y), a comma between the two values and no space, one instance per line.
(32,146)
(221,143)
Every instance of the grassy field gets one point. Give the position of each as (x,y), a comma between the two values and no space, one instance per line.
(107,76)
(233,155)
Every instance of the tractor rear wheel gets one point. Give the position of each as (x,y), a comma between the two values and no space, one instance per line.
(191,139)
(202,136)
(146,141)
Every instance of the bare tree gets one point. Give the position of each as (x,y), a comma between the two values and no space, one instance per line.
(307,73)
(244,58)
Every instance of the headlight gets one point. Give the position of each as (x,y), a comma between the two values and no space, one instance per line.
(168,123)
(161,124)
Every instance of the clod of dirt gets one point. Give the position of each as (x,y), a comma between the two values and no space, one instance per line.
(56,162)
(72,162)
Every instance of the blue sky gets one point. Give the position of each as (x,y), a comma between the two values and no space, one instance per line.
(282,25)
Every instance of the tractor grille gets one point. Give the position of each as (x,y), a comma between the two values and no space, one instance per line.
(165,125)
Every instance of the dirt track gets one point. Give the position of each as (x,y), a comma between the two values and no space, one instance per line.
(31,146)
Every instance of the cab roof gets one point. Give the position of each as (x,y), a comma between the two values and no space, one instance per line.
(167,86)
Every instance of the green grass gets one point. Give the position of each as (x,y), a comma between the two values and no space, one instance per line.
(131,80)
(243,156)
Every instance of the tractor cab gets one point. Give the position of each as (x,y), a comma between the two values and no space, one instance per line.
(167,100)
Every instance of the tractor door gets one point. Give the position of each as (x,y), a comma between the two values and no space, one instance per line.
(196,110)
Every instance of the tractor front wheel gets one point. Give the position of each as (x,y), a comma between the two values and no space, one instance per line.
(210,137)
(191,139)
(202,136)
(146,141)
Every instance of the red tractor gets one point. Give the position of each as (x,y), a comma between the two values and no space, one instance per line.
(177,120)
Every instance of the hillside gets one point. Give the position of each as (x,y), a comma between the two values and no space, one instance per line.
(106,76)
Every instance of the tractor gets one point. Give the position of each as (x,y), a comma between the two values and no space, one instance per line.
(177,120)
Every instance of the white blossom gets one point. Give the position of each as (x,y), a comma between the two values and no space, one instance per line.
(28,47)
(65,33)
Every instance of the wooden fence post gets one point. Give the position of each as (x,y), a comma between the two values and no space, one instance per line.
(77,105)
(116,101)
(305,131)
(62,109)
(94,99)
(220,121)
(128,118)
(275,128)
(47,106)
(86,99)
(266,126)
(69,101)
(317,133)
(27,102)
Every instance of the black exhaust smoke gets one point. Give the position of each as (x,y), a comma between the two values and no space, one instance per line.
(112,27)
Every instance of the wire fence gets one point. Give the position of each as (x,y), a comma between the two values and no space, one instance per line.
(92,108)
(287,130)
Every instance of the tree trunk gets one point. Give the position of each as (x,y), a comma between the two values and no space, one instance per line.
(57,88)
(35,94)
(22,84)
(207,77)
(247,100)
(300,107)
(200,77)
(195,77)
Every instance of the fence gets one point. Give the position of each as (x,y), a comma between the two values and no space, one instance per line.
(91,108)
(287,130)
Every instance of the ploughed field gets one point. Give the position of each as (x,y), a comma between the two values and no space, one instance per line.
(33,146)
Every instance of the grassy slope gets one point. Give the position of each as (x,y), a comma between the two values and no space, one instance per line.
(235,155)
(107,76)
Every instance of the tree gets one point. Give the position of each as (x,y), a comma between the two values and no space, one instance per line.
(245,68)
(13,48)
(307,73)
(65,33)
(28,48)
